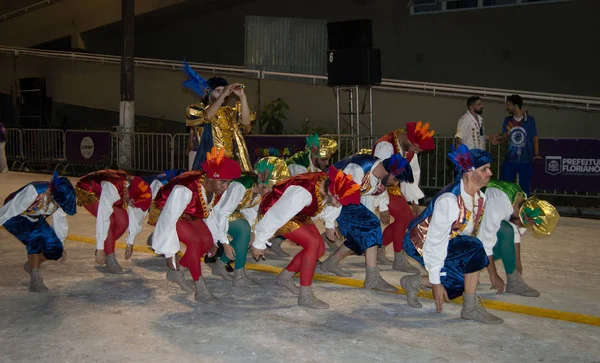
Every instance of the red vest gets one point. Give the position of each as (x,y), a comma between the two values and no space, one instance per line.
(91,185)
(310,181)
(193,181)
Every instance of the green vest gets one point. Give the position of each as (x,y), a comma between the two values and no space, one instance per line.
(510,189)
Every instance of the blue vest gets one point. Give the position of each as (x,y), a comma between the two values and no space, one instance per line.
(453,188)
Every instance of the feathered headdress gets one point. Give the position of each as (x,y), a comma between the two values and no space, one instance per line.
(140,194)
(399,168)
(194,81)
(461,157)
(420,135)
(63,193)
(271,170)
(540,215)
(342,187)
(322,147)
(219,166)
(313,144)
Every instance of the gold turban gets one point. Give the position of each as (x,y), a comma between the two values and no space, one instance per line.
(365,151)
(271,170)
(327,147)
(540,215)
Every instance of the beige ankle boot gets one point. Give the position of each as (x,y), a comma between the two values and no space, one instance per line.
(285,279)
(307,298)
(37,283)
(112,266)
(203,294)
(473,309)
(332,265)
(276,247)
(516,285)
(218,269)
(412,285)
(401,263)
(382,258)
(374,281)
(178,277)
(240,279)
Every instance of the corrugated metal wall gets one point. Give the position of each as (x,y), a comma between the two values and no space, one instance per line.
(286,45)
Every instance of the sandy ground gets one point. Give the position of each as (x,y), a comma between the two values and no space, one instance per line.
(91,317)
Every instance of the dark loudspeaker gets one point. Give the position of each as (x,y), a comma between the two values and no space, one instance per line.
(350,67)
(350,34)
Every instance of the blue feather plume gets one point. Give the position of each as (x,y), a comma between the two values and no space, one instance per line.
(461,157)
(194,82)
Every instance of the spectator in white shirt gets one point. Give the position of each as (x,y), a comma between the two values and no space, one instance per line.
(470,130)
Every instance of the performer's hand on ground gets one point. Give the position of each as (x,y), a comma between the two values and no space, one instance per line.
(439,296)
(229,251)
(257,254)
(384,217)
(213,251)
(332,234)
(63,257)
(128,252)
(497,283)
(416,209)
(100,257)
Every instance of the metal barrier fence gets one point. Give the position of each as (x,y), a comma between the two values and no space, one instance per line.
(154,152)
(43,146)
(14,147)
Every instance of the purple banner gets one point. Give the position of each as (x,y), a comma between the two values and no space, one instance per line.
(568,166)
(89,147)
(280,146)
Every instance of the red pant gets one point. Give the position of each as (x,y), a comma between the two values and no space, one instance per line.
(119,222)
(198,241)
(402,214)
(305,261)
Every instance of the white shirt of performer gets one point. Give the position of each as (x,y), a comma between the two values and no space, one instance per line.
(367,198)
(108,197)
(498,208)
(24,199)
(228,204)
(445,213)
(291,202)
(165,240)
(411,191)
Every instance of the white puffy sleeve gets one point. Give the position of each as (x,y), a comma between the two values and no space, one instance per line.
(60,224)
(165,240)
(296,169)
(136,217)
(18,204)
(384,150)
(155,187)
(329,215)
(251,214)
(291,202)
(382,201)
(411,191)
(462,129)
(497,208)
(108,197)
(218,220)
(435,248)
(355,171)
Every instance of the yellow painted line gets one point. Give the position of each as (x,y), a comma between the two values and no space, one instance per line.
(491,304)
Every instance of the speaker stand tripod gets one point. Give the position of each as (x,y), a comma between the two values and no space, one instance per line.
(354,118)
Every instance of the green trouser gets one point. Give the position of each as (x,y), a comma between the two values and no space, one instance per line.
(505,247)
(239,230)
